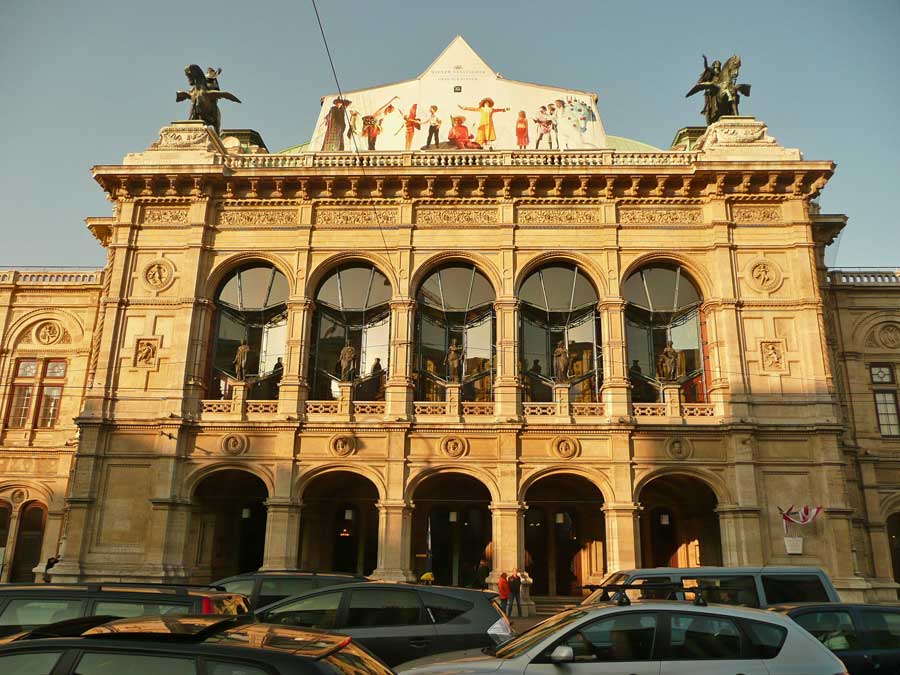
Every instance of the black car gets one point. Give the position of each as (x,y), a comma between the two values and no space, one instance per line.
(264,588)
(183,645)
(864,637)
(26,606)
(398,622)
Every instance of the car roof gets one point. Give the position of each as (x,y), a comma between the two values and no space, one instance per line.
(293,573)
(789,607)
(456,590)
(124,588)
(669,605)
(691,571)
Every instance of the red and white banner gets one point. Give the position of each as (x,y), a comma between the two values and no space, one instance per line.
(801,515)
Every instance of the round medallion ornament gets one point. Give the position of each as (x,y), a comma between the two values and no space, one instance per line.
(889,334)
(234,444)
(342,445)
(764,275)
(48,332)
(679,448)
(158,274)
(565,447)
(18,496)
(454,446)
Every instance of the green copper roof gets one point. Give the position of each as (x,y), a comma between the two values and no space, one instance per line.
(622,144)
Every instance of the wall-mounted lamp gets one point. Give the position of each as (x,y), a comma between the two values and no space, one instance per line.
(663,518)
(245,513)
(453,516)
(348,514)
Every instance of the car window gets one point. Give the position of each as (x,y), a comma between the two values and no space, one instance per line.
(787,588)
(351,660)
(766,639)
(646,593)
(242,586)
(233,668)
(522,642)
(725,590)
(129,609)
(882,628)
(625,637)
(273,590)
(230,603)
(694,637)
(120,663)
(31,663)
(444,608)
(383,607)
(38,611)
(318,611)
(834,629)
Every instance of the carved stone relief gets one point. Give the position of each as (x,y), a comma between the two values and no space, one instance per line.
(49,332)
(159,215)
(146,352)
(454,446)
(679,448)
(763,274)
(18,496)
(251,217)
(889,335)
(565,447)
(660,216)
(158,274)
(342,445)
(359,216)
(552,216)
(455,216)
(234,444)
(745,214)
(771,356)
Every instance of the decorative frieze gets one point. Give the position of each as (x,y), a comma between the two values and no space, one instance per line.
(257,217)
(744,214)
(162,215)
(660,216)
(344,216)
(559,216)
(455,216)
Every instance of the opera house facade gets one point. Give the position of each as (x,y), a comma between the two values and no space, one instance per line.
(387,351)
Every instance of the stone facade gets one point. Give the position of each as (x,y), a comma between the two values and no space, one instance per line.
(607,473)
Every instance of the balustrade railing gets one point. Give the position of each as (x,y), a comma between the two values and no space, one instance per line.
(321,407)
(368,407)
(262,406)
(588,409)
(477,408)
(539,409)
(215,406)
(864,277)
(698,410)
(648,409)
(429,408)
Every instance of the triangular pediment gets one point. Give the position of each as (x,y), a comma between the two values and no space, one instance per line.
(458,60)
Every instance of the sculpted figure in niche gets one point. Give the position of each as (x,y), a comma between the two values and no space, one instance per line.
(157,274)
(677,450)
(348,355)
(890,336)
(452,360)
(453,447)
(667,364)
(561,362)
(763,275)
(146,351)
(565,448)
(240,361)
(771,356)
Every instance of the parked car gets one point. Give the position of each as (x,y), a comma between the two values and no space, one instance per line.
(26,606)
(264,588)
(648,638)
(744,586)
(182,645)
(864,637)
(398,622)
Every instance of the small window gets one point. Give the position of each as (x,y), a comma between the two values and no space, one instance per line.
(30,663)
(886,407)
(383,607)
(444,609)
(882,628)
(233,668)
(766,639)
(726,590)
(56,369)
(881,373)
(129,609)
(27,368)
(273,590)
(696,637)
(118,663)
(319,611)
(50,398)
(242,586)
(833,629)
(26,613)
(626,637)
(21,403)
(786,588)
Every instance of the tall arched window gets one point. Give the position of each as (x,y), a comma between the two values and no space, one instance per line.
(352,308)
(664,307)
(559,308)
(455,312)
(251,308)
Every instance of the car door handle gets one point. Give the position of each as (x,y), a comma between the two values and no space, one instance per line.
(871,661)
(418,643)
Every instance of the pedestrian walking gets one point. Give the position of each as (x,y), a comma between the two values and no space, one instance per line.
(503,590)
(515,592)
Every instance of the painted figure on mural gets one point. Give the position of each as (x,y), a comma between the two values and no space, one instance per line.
(667,364)
(460,135)
(347,356)
(561,362)
(544,127)
(335,125)
(433,122)
(487,134)
(412,124)
(522,131)
(354,129)
(453,360)
(372,124)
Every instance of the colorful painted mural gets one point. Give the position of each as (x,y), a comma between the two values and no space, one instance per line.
(459,103)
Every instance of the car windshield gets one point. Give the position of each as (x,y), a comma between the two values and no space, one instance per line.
(522,643)
(597,595)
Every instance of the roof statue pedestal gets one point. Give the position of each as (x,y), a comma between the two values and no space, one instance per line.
(742,138)
(186,142)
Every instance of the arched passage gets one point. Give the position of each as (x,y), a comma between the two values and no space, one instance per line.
(229,525)
(451,529)
(565,534)
(893,532)
(29,539)
(679,523)
(339,524)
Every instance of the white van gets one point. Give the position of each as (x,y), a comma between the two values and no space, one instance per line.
(744,586)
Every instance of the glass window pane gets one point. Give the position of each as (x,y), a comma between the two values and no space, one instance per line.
(687,292)
(242,586)
(430,292)
(280,290)
(355,286)
(765,638)
(444,608)
(129,609)
(627,637)
(319,611)
(581,346)
(455,282)
(376,345)
(786,588)
(274,339)
(478,347)
(532,293)
(27,368)
(229,293)
(328,292)
(19,408)
(380,293)
(661,284)
(32,663)
(255,283)
(584,292)
(273,590)
(26,613)
(558,286)
(118,663)
(50,398)
(699,637)
(482,291)
(883,628)
(233,668)
(633,291)
(886,406)
(56,369)
(834,629)
(383,607)
(726,590)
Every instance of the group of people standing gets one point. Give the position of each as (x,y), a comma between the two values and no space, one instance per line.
(509,587)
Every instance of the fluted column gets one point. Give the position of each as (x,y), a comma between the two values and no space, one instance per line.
(616,390)
(294,390)
(507,383)
(399,389)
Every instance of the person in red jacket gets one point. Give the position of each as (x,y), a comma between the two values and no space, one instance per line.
(503,590)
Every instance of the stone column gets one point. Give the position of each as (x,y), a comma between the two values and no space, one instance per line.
(623,535)
(561,398)
(282,534)
(399,390)
(507,383)
(615,392)
(671,396)
(453,397)
(394,541)
(294,390)
(11,538)
(740,535)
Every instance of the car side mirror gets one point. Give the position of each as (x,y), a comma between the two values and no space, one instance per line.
(562,654)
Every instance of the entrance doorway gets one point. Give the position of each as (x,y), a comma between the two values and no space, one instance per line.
(339,524)
(230,524)
(564,534)
(679,523)
(893,533)
(29,541)
(451,529)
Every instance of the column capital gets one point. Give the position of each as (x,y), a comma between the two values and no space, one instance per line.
(500,507)
(608,303)
(622,507)
(509,302)
(393,505)
(402,304)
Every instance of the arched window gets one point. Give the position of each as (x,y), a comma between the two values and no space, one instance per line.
(251,309)
(559,309)
(663,308)
(352,308)
(455,316)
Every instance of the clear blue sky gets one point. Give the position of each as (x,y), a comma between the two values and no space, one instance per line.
(83,83)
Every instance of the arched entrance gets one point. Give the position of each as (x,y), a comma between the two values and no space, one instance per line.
(229,524)
(893,532)
(564,534)
(339,524)
(679,523)
(29,540)
(451,529)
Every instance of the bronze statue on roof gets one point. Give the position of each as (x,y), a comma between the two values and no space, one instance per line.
(204,96)
(722,93)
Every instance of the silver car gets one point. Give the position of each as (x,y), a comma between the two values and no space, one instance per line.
(648,638)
